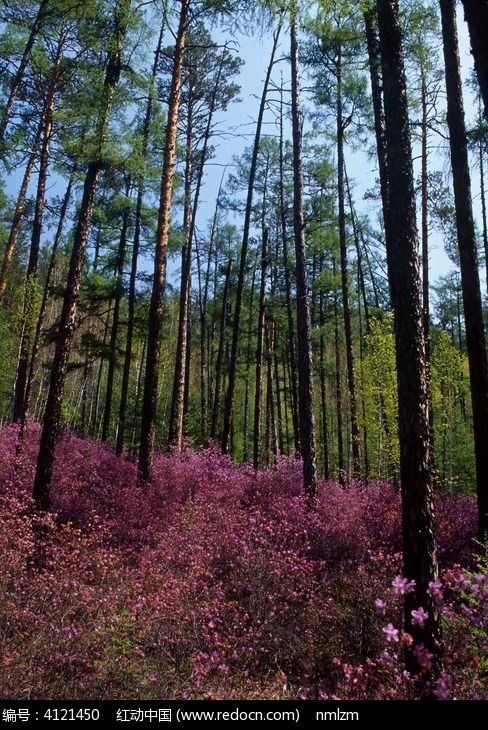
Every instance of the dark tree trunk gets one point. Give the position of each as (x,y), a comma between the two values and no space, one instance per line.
(248,364)
(176,421)
(483,207)
(124,390)
(149,405)
(229,399)
(338,389)
(203,300)
(473,311)
(419,548)
(305,364)
(476,14)
(425,249)
(374,59)
(119,292)
(220,353)
(346,298)
(273,448)
(258,396)
(289,307)
(50,428)
(323,393)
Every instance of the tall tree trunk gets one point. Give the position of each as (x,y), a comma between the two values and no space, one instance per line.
(149,405)
(19,74)
(419,547)
(338,389)
(19,209)
(118,294)
(289,307)
(483,207)
(374,60)
(229,400)
(305,364)
(273,448)
(425,249)
(476,14)
(248,364)
(31,273)
(50,428)
(203,300)
(220,354)
(176,422)
(346,299)
(258,395)
(323,393)
(131,308)
(473,311)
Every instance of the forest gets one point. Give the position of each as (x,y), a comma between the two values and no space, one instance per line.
(243,366)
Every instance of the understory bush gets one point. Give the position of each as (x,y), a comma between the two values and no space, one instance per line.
(217,582)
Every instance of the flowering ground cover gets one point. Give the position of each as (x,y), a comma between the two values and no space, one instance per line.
(216,582)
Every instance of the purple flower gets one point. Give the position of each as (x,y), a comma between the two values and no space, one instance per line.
(435,588)
(402,586)
(419,616)
(391,633)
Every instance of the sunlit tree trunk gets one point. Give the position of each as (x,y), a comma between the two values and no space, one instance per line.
(149,405)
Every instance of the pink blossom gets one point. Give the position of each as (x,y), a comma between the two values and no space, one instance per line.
(419,616)
(402,586)
(435,588)
(391,633)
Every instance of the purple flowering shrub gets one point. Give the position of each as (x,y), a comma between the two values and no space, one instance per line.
(217,582)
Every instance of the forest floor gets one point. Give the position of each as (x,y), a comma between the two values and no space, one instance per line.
(216,582)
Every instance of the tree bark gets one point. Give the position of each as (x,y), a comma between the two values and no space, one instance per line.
(258,395)
(476,15)
(176,421)
(289,308)
(220,353)
(149,405)
(118,295)
(419,547)
(473,310)
(374,59)
(305,363)
(323,393)
(483,208)
(338,389)
(346,299)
